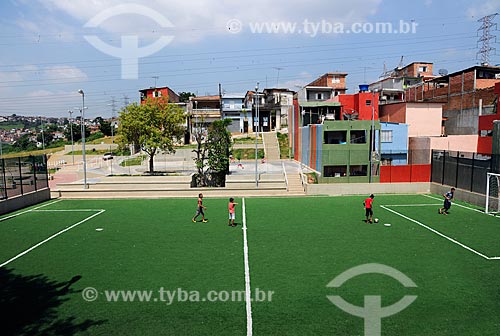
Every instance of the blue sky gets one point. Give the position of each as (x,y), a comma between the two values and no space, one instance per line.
(46,57)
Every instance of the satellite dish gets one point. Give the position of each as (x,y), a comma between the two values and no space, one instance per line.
(443,72)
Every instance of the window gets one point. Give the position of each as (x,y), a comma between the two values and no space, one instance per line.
(335,80)
(319,96)
(358,137)
(486,133)
(336,137)
(334,171)
(422,68)
(368,102)
(361,170)
(386,136)
(485,75)
(156,94)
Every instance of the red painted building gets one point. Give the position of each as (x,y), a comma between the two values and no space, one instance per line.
(484,143)
(165,92)
(363,104)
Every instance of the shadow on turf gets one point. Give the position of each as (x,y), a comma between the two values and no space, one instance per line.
(29,306)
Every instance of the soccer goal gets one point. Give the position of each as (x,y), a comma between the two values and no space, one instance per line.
(492,199)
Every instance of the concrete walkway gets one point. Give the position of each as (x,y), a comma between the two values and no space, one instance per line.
(107,179)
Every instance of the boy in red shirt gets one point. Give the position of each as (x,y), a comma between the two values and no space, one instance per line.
(232,215)
(368,203)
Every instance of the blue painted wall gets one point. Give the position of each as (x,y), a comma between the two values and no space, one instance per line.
(397,150)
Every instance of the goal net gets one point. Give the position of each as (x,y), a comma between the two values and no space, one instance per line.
(492,193)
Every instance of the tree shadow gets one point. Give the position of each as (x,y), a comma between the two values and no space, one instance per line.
(29,306)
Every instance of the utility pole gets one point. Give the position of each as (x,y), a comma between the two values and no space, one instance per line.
(220,101)
(278,76)
(113,111)
(43,137)
(156,78)
(256,125)
(125,100)
(486,38)
(71,130)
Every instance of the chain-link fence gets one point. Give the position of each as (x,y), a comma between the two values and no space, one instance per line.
(22,175)
(463,170)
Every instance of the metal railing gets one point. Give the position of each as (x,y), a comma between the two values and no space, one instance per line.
(22,175)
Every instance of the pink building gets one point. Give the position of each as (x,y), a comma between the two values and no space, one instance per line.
(423,119)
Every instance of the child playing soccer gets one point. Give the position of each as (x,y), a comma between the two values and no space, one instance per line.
(368,203)
(199,210)
(232,215)
(447,201)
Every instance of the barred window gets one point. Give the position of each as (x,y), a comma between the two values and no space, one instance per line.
(386,136)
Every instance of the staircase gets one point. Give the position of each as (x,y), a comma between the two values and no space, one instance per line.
(271,146)
(294,182)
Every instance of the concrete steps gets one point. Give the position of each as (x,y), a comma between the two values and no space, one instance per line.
(271,146)
(271,184)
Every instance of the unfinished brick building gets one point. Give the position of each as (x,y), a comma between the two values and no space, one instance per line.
(465,95)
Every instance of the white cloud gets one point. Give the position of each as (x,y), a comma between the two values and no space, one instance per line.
(40,93)
(64,72)
(46,27)
(302,80)
(33,72)
(482,8)
(195,19)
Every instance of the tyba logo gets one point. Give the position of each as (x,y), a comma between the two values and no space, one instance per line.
(129,52)
(372,312)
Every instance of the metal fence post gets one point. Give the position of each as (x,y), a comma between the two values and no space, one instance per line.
(46,167)
(444,166)
(472,172)
(33,164)
(20,175)
(4,179)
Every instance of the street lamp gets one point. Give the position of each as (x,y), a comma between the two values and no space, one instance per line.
(43,137)
(256,125)
(82,111)
(372,145)
(71,130)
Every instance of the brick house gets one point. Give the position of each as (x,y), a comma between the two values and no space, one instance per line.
(157,92)
(465,95)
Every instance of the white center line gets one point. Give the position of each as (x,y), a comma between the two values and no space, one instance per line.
(248,296)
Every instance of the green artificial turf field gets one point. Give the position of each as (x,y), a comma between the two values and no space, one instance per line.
(151,271)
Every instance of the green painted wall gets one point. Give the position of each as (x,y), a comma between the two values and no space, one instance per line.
(347,154)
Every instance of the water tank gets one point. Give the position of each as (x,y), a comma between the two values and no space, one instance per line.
(363,87)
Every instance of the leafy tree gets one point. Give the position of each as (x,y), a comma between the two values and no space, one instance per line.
(104,126)
(219,145)
(212,156)
(77,132)
(47,137)
(154,126)
(184,96)
(200,160)
(24,143)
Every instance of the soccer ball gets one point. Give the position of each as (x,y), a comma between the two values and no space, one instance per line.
(375,220)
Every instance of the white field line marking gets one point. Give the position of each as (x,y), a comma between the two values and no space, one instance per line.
(461,206)
(72,210)
(411,205)
(439,234)
(21,213)
(248,298)
(50,238)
